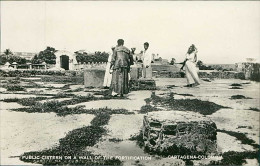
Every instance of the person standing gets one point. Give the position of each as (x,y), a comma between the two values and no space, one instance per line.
(120,65)
(108,75)
(190,67)
(147,59)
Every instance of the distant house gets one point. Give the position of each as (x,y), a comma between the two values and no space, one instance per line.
(160,61)
(242,66)
(26,55)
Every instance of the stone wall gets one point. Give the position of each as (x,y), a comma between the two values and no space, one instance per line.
(100,65)
(202,74)
(94,77)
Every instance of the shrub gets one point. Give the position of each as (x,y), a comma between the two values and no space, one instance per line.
(254,109)
(92,57)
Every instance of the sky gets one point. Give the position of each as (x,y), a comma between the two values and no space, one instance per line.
(223,32)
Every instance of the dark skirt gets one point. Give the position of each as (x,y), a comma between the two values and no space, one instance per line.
(120,80)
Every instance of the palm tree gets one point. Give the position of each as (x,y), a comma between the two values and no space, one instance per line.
(8,52)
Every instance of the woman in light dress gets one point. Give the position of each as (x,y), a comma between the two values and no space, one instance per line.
(190,67)
(108,74)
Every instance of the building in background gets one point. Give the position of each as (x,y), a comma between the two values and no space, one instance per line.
(26,55)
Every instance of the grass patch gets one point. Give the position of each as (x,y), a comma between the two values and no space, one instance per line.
(241,137)
(61,109)
(234,97)
(65,87)
(74,145)
(206,79)
(245,127)
(32,84)
(195,105)
(30,101)
(9,100)
(147,108)
(235,84)
(14,88)
(80,110)
(62,95)
(254,109)
(115,140)
(49,106)
(103,92)
(235,87)
(185,94)
(75,90)
(63,79)
(14,81)
(101,119)
(171,86)
(138,138)
(235,158)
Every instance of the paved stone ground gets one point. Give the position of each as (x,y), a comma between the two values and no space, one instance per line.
(20,130)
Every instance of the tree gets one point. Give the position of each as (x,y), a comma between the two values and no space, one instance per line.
(203,67)
(199,63)
(11,58)
(172,61)
(8,52)
(92,57)
(47,55)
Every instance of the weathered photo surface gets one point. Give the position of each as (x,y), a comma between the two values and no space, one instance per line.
(130,83)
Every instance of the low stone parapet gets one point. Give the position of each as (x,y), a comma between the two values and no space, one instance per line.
(94,77)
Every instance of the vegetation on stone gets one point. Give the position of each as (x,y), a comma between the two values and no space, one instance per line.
(182,135)
(239,97)
(195,105)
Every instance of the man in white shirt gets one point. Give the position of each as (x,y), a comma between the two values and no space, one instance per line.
(147,59)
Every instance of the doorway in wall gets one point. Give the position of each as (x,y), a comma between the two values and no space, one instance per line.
(64,62)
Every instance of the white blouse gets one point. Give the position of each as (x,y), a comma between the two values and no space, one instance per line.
(191,57)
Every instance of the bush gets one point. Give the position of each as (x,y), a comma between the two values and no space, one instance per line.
(46,55)
(11,59)
(91,58)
